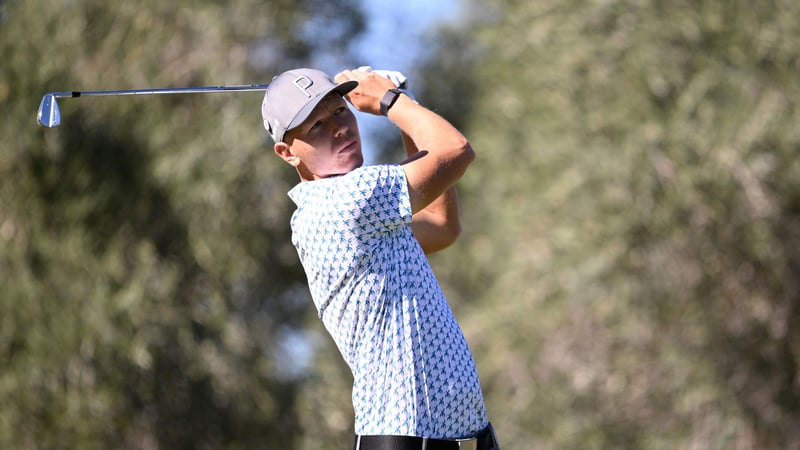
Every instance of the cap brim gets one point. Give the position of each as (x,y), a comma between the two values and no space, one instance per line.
(341,88)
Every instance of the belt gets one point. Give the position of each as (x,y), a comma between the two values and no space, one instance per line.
(387,442)
(484,440)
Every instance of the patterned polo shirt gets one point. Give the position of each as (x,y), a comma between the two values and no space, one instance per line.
(377,296)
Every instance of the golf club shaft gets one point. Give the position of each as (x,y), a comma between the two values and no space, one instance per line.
(50,115)
(186,90)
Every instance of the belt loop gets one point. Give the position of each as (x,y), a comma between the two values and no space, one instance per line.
(424,443)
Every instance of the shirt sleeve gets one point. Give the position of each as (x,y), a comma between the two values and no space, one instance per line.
(380,199)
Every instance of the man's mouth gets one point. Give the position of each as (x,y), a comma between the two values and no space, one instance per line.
(349,147)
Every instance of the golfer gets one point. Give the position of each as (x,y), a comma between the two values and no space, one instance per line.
(362,234)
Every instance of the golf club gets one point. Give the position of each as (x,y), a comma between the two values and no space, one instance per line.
(50,115)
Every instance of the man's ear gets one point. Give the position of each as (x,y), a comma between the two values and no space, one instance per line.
(284,151)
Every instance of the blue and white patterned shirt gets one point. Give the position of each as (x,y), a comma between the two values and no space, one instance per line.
(378,298)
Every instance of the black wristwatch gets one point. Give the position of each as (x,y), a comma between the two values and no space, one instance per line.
(388,100)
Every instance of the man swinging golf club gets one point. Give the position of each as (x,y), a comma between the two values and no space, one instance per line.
(362,234)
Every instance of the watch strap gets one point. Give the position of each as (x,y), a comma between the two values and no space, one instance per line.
(388,100)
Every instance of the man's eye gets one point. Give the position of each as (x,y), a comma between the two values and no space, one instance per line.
(316,125)
(340,110)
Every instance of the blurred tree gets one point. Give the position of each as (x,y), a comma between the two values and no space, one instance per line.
(147,274)
(628,272)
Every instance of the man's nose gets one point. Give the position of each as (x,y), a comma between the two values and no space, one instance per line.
(340,127)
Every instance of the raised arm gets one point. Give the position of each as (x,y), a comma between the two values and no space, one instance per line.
(443,157)
(438,225)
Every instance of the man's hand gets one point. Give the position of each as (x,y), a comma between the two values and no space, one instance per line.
(366,97)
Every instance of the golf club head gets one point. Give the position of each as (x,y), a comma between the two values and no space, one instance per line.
(49,114)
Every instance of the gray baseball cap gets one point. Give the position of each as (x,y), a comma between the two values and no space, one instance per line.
(292,95)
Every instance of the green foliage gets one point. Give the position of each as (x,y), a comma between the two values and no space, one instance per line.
(145,256)
(631,221)
(627,277)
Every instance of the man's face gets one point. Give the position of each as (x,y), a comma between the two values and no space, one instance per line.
(328,142)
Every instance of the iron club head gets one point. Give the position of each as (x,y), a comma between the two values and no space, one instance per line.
(49,114)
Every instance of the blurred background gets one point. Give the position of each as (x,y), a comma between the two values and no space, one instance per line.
(628,275)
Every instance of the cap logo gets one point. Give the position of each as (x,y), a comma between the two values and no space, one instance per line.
(303,83)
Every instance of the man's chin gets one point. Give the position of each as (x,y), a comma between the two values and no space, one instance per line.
(359,161)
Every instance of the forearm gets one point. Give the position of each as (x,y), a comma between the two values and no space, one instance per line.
(438,225)
(409,145)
